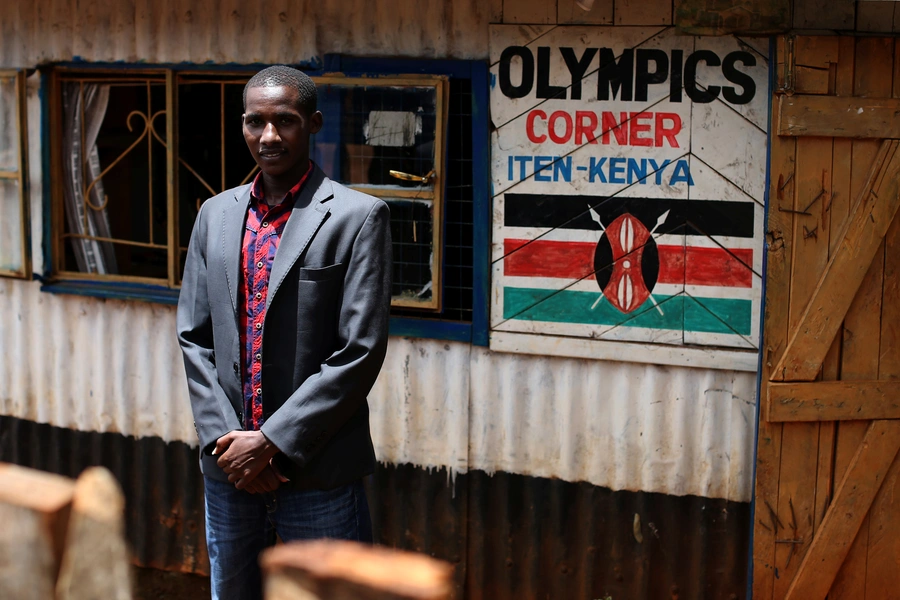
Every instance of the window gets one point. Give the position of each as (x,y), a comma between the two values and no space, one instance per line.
(124,213)
(15,252)
(125,198)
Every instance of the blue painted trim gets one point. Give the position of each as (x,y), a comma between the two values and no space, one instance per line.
(459,69)
(431,328)
(762,307)
(46,180)
(481,205)
(115,290)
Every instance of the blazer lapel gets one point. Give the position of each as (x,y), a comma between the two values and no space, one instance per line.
(307,216)
(232,239)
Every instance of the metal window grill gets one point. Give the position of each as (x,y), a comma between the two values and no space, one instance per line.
(458,211)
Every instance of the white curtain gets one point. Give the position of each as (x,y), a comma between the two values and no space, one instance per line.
(84,108)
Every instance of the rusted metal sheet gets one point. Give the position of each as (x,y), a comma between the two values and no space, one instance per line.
(202,31)
(531,538)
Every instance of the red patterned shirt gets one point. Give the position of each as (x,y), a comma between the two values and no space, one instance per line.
(262,233)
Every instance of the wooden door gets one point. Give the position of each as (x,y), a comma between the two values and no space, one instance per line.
(827,520)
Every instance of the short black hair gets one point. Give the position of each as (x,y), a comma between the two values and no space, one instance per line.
(281,75)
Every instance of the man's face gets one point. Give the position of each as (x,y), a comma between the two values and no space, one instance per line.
(277,130)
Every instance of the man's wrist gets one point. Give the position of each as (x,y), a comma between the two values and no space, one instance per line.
(269,449)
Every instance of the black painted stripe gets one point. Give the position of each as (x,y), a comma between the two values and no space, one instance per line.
(689,217)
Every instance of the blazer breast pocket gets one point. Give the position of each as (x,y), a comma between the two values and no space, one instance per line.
(321,273)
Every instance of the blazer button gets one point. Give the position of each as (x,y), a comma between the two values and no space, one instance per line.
(236,368)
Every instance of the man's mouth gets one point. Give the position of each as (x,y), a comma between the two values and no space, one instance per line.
(271,153)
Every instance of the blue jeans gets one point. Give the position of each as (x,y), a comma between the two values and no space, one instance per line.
(239,525)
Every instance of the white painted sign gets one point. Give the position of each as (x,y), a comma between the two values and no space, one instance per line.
(629,177)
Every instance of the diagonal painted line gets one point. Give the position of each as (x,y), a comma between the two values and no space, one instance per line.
(734,332)
(736,186)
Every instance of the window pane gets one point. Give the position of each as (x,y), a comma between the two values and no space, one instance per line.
(114,176)
(411,233)
(9,125)
(212,153)
(10,226)
(371,130)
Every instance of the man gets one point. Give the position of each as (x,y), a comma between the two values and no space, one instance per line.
(283,320)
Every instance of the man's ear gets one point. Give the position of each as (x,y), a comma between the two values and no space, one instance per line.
(315,122)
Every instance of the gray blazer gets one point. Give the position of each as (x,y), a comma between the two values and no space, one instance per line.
(324,335)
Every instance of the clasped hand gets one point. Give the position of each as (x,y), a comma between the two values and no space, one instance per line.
(246,456)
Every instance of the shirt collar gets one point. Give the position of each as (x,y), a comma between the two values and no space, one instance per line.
(258,195)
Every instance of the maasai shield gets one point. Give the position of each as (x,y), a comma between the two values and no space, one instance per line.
(626,263)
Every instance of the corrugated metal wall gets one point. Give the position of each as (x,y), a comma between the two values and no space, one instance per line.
(199,31)
(113,366)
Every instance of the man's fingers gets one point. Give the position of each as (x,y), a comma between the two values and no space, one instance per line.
(222,444)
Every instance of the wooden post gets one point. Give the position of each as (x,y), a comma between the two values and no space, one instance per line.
(334,570)
(34,511)
(95,561)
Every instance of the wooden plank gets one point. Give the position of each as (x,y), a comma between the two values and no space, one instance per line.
(95,560)
(818,51)
(882,572)
(859,360)
(796,502)
(833,219)
(800,441)
(34,510)
(834,401)
(642,12)
(872,214)
(814,160)
(569,13)
(779,245)
(852,500)
(327,569)
(529,11)
(810,80)
(719,17)
(839,117)
(842,172)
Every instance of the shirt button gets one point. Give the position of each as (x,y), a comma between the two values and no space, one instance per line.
(265,224)
(259,391)
(259,325)
(258,295)
(259,265)
(258,356)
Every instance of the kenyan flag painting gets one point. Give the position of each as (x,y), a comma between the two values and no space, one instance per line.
(634,269)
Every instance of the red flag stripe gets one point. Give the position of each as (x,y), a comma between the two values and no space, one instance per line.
(690,265)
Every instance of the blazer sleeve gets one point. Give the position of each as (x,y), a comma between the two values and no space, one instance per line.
(325,401)
(213,413)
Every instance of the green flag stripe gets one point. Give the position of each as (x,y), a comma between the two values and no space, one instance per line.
(709,315)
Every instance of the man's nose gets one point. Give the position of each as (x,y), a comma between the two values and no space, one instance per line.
(270,134)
